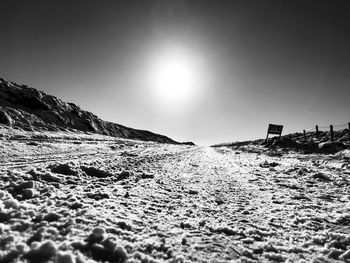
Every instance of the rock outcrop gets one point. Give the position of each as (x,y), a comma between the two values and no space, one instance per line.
(30,109)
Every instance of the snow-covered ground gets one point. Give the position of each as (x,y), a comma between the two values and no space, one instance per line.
(68,197)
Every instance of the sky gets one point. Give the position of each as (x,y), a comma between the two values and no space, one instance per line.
(239,65)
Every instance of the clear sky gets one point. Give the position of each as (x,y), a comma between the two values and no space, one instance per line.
(240,64)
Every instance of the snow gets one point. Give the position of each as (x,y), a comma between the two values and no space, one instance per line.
(117,200)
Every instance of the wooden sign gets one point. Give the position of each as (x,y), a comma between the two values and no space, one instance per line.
(274,129)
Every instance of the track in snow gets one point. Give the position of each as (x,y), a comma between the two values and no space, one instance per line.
(179,202)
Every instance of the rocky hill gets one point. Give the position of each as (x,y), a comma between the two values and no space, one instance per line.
(29,109)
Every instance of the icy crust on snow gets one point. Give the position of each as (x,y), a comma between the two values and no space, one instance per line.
(108,200)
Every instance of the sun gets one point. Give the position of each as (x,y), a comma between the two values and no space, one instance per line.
(175,78)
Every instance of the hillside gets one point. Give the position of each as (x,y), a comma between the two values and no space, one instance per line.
(298,142)
(29,109)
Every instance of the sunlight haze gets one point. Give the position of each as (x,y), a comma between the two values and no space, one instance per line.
(202,71)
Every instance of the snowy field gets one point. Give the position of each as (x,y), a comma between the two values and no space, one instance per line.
(68,197)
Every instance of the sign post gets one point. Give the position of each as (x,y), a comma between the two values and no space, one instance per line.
(274,129)
(332,132)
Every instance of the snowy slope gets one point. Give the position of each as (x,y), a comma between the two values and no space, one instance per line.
(30,109)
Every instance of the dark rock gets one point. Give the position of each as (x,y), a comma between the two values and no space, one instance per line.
(32,102)
(33,143)
(50,178)
(119,255)
(335,253)
(147,176)
(94,172)
(266,164)
(28,193)
(109,244)
(45,252)
(124,175)
(219,200)
(193,192)
(64,169)
(51,217)
(97,196)
(76,205)
(224,230)
(188,143)
(123,225)
(37,236)
(4,217)
(5,118)
(27,184)
(321,176)
(97,235)
(10,256)
(331,147)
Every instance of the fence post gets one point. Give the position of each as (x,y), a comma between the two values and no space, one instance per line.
(317,133)
(332,132)
(304,135)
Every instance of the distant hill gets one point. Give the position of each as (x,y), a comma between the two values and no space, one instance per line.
(30,109)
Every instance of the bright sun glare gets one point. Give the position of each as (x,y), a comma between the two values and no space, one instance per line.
(175,78)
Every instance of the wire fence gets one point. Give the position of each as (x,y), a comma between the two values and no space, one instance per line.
(339,132)
(318,134)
